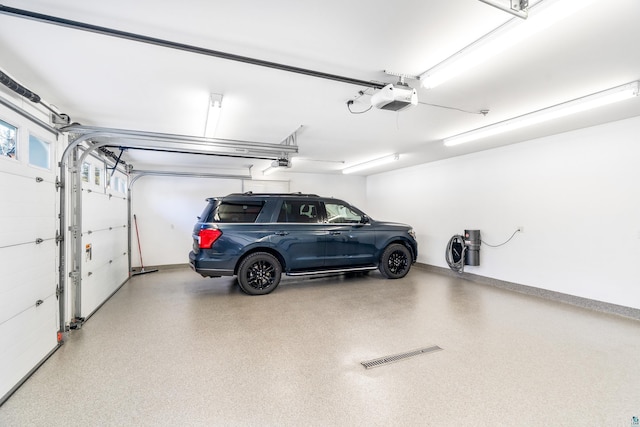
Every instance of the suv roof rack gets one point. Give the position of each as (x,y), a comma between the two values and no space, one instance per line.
(251,193)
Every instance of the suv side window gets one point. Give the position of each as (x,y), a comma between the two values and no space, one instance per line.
(235,212)
(299,211)
(340,213)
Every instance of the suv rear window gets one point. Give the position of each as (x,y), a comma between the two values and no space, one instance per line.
(234,212)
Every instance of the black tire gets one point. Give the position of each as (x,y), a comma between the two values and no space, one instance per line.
(259,273)
(395,261)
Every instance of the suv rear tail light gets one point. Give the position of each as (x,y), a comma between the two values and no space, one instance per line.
(207,236)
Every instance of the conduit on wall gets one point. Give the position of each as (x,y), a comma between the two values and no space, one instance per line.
(95,138)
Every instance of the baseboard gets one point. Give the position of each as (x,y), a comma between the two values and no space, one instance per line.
(161,267)
(587,303)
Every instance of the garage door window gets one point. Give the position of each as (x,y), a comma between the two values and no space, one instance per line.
(8,135)
(38,152)
(97,176)
(118,184)
(86,168)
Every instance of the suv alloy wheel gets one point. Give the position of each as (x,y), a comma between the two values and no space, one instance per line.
(259,273)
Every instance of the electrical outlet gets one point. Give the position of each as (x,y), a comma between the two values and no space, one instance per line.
(521,229)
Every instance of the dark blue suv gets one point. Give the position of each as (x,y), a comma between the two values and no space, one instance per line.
(260,236)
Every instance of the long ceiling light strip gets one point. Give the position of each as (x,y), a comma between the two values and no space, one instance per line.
(541,16)
(371,164)
(588,102)
(271,170)
(516,8)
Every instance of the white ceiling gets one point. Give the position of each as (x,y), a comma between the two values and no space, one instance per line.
(105,81)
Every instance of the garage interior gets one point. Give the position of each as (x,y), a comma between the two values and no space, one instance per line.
(119,119)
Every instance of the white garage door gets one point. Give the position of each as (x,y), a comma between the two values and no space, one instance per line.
(28,253)
(105,260)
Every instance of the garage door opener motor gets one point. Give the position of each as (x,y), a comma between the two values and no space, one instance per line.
(464,250)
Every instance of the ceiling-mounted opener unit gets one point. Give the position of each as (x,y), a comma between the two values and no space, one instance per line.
(464,250)
(395,97)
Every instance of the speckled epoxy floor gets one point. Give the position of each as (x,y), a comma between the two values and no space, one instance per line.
(172,348)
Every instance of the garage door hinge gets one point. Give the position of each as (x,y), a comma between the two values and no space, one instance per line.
(74,274)
(73,229)
(76,323)
(59,238)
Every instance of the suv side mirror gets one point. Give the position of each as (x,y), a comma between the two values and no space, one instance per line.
(365,219)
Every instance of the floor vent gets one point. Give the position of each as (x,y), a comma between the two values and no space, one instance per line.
(397,357)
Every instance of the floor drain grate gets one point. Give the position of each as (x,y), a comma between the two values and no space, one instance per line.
(397,357)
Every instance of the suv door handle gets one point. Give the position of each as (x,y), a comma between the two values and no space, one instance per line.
(281,233)
(335,233)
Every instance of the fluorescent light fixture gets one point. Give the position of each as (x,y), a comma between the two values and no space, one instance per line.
(271,169)
(371,164)
(541,16)
(588,102)
(515,8)
(213,115)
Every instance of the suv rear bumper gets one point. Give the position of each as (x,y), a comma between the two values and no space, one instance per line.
(207,268)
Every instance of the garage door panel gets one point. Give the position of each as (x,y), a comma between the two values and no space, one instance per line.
(29,274)
(104,280)
(107,235)
(105,245)
(104,275)
(31,212)
(22,185)
(99,211)
(27,338)
(105,230)
(23,230)
(29,318)
(120,269)
(11,166)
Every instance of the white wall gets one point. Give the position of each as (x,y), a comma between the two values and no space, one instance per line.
(166,208)
(351,189)
(576,195)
